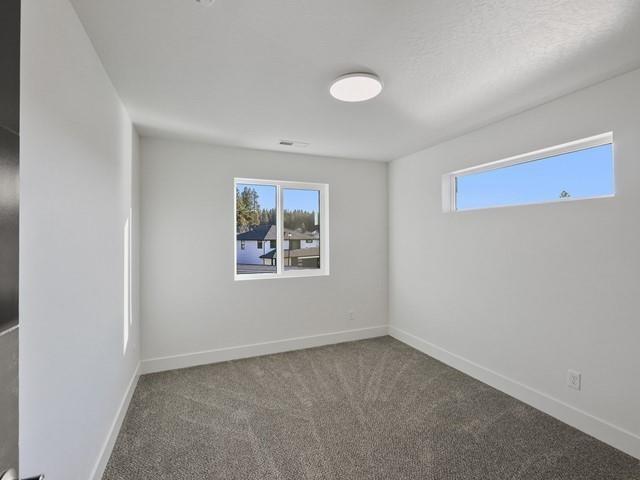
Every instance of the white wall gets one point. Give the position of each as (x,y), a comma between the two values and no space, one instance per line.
(189,299)
(78,167)
(529,292)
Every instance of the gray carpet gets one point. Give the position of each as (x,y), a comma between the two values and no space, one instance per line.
(374,409)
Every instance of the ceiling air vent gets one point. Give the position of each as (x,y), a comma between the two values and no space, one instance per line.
(293,143)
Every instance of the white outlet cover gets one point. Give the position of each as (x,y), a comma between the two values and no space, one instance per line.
(574,379)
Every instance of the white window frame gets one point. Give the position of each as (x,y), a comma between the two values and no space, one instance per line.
(281,185)
(449,180)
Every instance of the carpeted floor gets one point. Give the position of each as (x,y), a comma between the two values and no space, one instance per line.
(374,409)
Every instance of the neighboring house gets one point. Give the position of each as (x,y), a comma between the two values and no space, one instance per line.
(258,247)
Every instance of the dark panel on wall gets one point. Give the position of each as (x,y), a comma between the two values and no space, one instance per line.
(10,64)
(9,205)
(8,399)
(9,145)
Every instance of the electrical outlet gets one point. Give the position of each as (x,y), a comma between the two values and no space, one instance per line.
(574,379)
(352,315)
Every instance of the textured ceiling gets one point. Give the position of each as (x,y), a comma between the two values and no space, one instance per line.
(252,72)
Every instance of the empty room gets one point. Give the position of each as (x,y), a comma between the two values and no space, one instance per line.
(330,239)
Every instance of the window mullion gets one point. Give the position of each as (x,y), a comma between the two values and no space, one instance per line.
(279,231)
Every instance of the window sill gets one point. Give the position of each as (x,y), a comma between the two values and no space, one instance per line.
(544,202)
(273,276)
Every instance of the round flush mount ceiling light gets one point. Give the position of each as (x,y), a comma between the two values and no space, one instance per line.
(356,87)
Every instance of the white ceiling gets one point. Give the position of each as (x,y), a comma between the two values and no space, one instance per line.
(252,72)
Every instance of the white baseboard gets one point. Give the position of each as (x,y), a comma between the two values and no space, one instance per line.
(160,364)
(604,431)
(110,441)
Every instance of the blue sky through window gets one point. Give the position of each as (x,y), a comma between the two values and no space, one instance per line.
(584,173)
(307,200)
(294,199)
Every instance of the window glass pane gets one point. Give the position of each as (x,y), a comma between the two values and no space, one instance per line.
(301,229)
(584,173)
(255,223)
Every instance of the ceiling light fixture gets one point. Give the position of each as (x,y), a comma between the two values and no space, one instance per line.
(356,87)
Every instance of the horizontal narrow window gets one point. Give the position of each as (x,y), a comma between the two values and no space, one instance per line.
(579,170)
(286,223)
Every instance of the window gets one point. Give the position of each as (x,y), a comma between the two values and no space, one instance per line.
(292,217)
(301,222)
(294,244)
(577,170)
